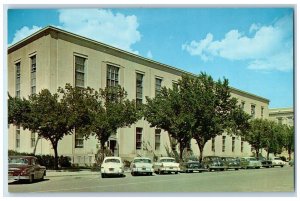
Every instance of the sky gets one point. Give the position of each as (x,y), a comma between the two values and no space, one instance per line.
(251,47)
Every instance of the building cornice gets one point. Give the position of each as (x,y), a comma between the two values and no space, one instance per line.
(47,30)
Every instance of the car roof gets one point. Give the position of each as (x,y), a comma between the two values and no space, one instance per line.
(141,158)
(21,157)
(167,158)
(112,157)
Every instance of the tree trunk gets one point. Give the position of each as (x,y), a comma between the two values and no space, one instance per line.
(257,152)
(201,147)
(290,153)
(37,140)
(54,146)
(181,148)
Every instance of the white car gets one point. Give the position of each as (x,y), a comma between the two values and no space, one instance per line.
(141,165)
(277,162)
(166,165)
(112,166)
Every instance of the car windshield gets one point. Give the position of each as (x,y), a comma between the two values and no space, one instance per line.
(18,161)
(112,160)
(252,159)
(277,159)
(167,160)
(230,159)
(142,160)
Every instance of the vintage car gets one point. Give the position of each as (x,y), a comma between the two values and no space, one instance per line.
(25,168)
(213,163)
(231,163)
(277,162)
(141,165)
(250,162)
(291,162)
(166,165)
(112,166)
(264,162)
(192,166)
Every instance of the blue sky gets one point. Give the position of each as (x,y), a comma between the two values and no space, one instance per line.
(252,47)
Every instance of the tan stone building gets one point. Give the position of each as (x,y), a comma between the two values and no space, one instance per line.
(52,57)
(282,115)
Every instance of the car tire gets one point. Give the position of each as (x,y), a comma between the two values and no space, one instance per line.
(236,168)
(281,165)
(103,175)
(31,179)
(150,173)
(176,172)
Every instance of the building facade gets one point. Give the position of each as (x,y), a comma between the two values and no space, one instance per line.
(282,115)
(52,57)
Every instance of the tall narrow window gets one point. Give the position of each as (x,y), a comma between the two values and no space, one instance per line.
(18,79)
(157,139)
(262,112)
(138,134)
(233,144)
(139,88)
(158,82)
(213,145)
(32,140)
(79,71)
(33,74)
(242,144)
(223,143)
(243,105)
(78,140)
(112,76)
(18,137)
(252,111)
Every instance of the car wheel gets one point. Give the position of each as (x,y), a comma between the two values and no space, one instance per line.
(31,179)
(281,165)
(176,172)
(236,168)
(150,174)
(103,175)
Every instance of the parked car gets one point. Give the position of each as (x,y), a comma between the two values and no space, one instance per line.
(231,163)
(192,166)
(141,165)
(112,166)
(213,163)
(250,162)
(166,165)
(277,162)
(291,162)
(25,168)
(264,162)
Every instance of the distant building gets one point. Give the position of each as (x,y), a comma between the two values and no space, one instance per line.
(52,57)
(282,115)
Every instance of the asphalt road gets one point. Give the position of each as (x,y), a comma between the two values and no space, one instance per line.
(251,180)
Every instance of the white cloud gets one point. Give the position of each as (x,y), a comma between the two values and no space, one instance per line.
(23,33)
(102,25)
(149,54)
(270,47)
(115,29)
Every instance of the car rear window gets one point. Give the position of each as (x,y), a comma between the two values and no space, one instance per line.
(18,161)
(143,160)
(167,160)
(112,160)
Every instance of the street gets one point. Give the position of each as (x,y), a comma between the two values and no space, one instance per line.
(251,180)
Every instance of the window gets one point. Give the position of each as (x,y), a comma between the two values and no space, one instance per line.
(138,134)
(223,143)
(213,145)
(262,112)
(139,88)
(279,120)
(18,79)
(112,76)
(242,144)
(233,144)
(243,105)
(78,140)
(33,74)
(32,140)
(18,137)
(252,111)
(157,139)
(158,82)
(79,71)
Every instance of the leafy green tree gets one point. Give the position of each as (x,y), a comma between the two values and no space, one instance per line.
(100,113)
(43,114)
(289,139)
(167,111)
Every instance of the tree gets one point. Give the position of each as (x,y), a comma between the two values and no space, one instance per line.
(43,114)
(289,139)
(100,113)
(168,112)
(214,110)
